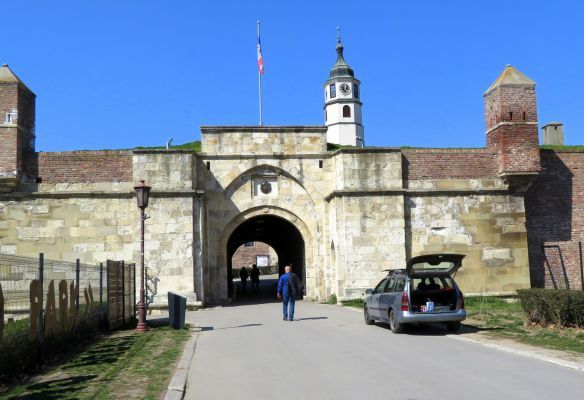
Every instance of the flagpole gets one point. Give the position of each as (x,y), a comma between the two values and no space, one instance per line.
(260,79)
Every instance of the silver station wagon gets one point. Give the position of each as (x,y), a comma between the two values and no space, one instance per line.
(424,292)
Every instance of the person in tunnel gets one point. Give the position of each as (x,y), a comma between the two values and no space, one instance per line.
(289,288)
(243,275)
(255,278)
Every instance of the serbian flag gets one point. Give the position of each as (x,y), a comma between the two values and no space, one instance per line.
(260,59)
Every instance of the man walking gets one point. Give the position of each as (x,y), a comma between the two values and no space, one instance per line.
(243,276)
(289,288)
(255,279)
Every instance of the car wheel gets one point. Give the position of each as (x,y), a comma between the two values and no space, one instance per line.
(368,319)
(395,326)
(453,326)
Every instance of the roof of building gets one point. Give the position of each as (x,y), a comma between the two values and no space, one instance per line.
(7,76)
(341,69)
(511,77)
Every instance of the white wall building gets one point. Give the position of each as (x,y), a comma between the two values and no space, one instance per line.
(342,108)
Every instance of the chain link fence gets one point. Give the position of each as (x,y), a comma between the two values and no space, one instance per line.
(46,305)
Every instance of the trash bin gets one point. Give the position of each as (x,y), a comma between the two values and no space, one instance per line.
(177,306)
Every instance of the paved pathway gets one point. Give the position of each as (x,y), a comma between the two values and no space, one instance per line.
(248,352)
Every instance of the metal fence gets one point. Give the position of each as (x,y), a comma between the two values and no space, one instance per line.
(121,279)
(46,305)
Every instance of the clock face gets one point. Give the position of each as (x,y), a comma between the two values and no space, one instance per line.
(345,88)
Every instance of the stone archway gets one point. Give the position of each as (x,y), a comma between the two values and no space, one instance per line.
(279,228)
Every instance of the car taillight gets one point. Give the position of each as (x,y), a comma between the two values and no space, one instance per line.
(460,301)
(405,304)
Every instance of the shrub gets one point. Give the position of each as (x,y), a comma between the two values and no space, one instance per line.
(332,299)
(553,307)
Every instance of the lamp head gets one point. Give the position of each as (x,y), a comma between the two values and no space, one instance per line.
(142,194)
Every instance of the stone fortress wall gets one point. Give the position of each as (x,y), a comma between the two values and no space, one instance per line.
(359,211)
(87,209)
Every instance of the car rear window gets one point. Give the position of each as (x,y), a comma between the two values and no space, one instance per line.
(432,283)
(439,266)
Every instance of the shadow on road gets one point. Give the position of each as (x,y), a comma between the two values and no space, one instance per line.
(266,294)
(239,326)
(309,318)
(437,329)
(210,328)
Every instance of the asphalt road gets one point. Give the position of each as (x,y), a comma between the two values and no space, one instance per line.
(248,352)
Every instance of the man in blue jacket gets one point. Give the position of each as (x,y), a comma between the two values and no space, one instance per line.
(289,286)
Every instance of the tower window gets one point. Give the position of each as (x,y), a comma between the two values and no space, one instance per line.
(346,112)
(356,91)
(11,117)
(325,115)
(333,90)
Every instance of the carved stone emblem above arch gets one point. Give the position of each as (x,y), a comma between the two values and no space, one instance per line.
(266,181)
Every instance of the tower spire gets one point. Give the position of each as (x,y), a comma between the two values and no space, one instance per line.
(340,59)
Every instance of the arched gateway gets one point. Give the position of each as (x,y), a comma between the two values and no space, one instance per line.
(279,228)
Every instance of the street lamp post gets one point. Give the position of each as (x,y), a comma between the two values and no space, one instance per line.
(142,196)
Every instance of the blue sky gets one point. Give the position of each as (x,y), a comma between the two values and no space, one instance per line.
(119,74)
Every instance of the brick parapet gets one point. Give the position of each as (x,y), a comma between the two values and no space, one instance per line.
(82,166)
(422,164)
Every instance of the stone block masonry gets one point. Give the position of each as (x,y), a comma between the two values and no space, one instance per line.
(246,140)
(85,208)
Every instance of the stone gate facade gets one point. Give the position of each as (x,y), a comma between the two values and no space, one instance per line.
(342,217)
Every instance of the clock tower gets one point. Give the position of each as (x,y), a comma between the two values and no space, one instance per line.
(342,107)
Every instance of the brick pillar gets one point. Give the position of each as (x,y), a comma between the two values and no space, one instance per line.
(512,131)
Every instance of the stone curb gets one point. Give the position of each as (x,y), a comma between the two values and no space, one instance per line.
(533,352)
(177,386)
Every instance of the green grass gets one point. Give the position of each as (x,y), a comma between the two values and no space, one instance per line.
(357,303)
(562,147)
(503,319)
(121,365)
(335,147)
(16,328)
(194,146)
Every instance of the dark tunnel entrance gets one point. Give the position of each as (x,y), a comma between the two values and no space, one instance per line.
(278,233)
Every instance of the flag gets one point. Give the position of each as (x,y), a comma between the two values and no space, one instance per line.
(260,59)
